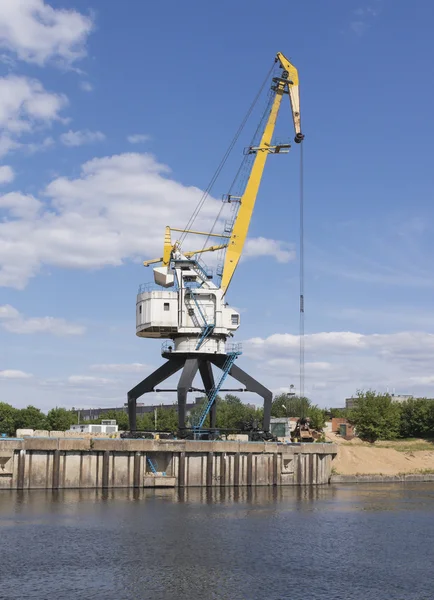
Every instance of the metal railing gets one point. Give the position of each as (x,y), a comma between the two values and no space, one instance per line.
(234,348)
(167,346)
(151,287)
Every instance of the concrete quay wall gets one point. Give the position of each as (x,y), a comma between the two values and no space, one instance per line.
(49,463)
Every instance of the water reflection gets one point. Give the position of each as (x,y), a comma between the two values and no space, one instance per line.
(222,543)
(398,496)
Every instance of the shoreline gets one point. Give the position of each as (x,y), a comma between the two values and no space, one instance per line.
(376,478)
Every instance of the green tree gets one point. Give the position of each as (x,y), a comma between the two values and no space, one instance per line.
(146,422)
(338,413)
(290,406)
(415,417)
(31,418)
(232,413)
(8,419)
(120,416)
(430,419)
(375,416)
(60,419)
(167,419)
(317,417)
(196,412)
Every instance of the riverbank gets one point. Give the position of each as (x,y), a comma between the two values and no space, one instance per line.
(50,463)
(395,460)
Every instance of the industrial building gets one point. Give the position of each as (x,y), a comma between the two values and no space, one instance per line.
(351,402)
(91,414)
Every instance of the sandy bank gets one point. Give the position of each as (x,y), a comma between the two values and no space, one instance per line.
(386,458)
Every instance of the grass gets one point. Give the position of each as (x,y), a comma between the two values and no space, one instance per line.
(406,446)
(400,445)
(418,472)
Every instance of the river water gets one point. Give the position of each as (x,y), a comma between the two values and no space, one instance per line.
(335,542)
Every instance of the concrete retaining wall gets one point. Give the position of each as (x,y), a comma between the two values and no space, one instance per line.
(49,463)
(408,477)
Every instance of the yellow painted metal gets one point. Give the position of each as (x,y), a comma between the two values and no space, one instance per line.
(155,261)
(209,249)
(293,89)
(219,235)
(167,251)
(237,239)
(293,73)
(248,199)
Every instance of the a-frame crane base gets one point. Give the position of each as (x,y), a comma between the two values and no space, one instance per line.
(191,363)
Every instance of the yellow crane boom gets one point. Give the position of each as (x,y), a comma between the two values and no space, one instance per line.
(286,84)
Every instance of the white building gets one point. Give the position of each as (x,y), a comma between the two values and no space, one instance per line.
(107,426)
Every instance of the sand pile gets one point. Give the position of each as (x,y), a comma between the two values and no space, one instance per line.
(361,459)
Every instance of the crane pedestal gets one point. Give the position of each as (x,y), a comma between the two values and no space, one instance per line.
(191,363)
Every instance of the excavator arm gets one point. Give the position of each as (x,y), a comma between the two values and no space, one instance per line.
(287,83)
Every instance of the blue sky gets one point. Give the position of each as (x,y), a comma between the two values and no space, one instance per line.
(114,117)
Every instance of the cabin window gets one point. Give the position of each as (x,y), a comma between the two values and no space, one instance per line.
(235,319)
(166,306)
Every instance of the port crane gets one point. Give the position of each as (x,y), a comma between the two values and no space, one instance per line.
(186,304)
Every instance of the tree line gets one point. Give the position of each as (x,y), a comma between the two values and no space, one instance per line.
(57,419)
(232,413)
(375,416)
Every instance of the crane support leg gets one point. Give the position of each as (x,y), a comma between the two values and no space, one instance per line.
(148,384)
(188,373)
(206,373)
(251,385)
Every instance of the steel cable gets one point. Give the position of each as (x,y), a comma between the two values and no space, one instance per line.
(224,159)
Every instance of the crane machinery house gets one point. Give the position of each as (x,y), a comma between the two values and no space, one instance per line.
(186,304)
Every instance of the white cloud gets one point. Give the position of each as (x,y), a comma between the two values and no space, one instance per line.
(26,107)
(86,86)
(20,205)
(358,27)
(138,138)
(11,320)
(261,246)
(343,342)
(121,368)
(35,32)
(78,138)
(24,102)
(33,147)
(362,18)
(115,210)
(14,374)
(340,362)
(7,144)
(6,174)
(87,380)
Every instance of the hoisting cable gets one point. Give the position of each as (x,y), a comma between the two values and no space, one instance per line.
(301,242)
(224,159)
(246,158)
